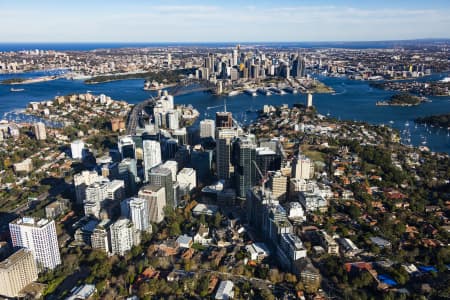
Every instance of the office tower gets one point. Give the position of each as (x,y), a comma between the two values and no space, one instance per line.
(122,236)
(100,238)
(16,272)
(309,102)
(77,149)
(172,165)
(244,159)
(235,57)
(173,120)
(254,71)
(181,136)
(234,74)
(127,171)
(298,67)
(278,184)
(162,177)
(169,148)
(156,199)
(201,161)
(224,120)
(188,178)
(183,156)
(40,131)
(223,158)
(127,147)
(152,156)
(82,181)
(169,59)
(207,128)
(115,190)
(139,214)
(303,168)
(267,159)
(39,236)
(110,170)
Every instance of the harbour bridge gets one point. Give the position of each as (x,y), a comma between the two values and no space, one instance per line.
(183,87)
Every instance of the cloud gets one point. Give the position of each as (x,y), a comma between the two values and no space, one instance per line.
(179,22)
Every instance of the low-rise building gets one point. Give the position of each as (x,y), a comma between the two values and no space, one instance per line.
(225,290)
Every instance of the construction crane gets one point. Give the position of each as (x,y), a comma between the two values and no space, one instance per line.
(224,105)
(264,178)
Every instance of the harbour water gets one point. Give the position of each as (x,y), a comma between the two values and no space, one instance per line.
(353,100)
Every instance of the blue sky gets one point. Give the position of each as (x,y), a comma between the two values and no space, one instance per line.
(221,21)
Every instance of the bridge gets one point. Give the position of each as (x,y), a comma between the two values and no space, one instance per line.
(136,114)
(137,111)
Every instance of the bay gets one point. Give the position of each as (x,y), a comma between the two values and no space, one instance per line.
(353,100)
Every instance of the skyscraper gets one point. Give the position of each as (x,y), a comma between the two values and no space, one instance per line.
(39,236)
(156,199)
(40,131)
(139,214)
(152,156)
(207,128)
(224,119)
(244,159)
(162,177)
(223,157)
(127,147)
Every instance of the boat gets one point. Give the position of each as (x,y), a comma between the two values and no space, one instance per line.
(291,90)
(264,91)
(16,90)
(233,93)
(251,92)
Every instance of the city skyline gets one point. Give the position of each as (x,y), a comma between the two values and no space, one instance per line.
(201,21)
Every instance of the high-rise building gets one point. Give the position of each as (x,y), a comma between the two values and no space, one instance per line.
(235,57)
(156,199)
(152,156)
(127,171)
(127,147)
(181,136)
(173,120)
(39,131)
(77,149)
(172,165)
(201,161)
(223,158)
(188,178)
(139,214)
(82,181)
(207,128)
(122,236)
(39,236)
(303,168)
(244,159)
(100,238)
(267,160)
(224,119)
(309,102)
(16,272)
(278,184)
(162,177)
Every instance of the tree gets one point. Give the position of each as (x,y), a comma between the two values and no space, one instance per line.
(217,220)
(175,229)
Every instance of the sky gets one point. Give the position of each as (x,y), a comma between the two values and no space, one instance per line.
(222,21)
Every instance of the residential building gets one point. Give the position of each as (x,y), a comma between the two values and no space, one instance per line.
(156,199)
(39,236)
(16,272)
(39,131)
